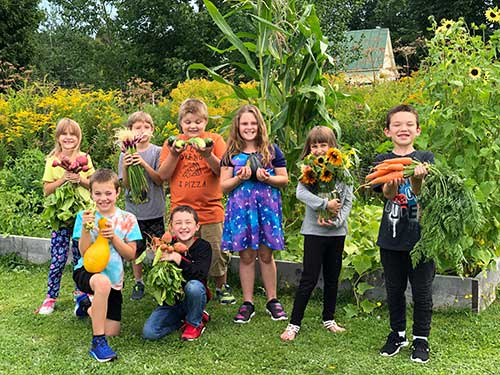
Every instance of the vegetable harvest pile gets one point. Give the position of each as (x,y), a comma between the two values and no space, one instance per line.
(450,213)
(164,279)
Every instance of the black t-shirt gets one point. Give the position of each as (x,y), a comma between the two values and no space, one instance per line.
(399,229)
(196,264)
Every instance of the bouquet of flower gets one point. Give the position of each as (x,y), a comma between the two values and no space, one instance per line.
(61,207)
(321,173)
(128,140)
(164,279)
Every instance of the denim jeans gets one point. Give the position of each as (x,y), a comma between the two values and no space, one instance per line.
(166,319)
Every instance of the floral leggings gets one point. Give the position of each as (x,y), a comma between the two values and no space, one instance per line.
(59,246)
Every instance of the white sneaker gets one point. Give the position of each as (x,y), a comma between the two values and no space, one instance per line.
(47,306)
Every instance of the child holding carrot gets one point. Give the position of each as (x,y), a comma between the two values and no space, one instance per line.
(121,231)
(252,172)
(150,213)
(323,239)
(399,232)
(68,136)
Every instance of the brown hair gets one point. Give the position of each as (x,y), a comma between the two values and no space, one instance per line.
(139,116)
(236,144)
(400,108)
(319,134)
(193,106)
(184,208)
(104,175)
(66,124)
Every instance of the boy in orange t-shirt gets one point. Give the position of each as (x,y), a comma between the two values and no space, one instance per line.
(193,174)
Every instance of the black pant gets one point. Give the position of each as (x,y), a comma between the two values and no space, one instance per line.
(397,270)
(319,250)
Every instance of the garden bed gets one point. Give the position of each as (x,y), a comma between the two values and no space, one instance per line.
(471,293)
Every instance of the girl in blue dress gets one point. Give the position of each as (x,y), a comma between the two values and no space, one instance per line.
(252,171)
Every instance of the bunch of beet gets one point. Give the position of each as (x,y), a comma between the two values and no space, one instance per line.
(79,165)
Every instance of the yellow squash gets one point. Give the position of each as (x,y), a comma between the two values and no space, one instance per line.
(97,255)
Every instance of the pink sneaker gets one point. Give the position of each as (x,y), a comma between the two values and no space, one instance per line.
(47,306)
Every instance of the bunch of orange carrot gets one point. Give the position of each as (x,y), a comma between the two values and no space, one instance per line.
(391,169)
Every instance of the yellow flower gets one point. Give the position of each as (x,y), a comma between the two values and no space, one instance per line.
(334,156)
(326,175)
(320,160)
(493,15)
(475,72)
(307,177)
(447,24)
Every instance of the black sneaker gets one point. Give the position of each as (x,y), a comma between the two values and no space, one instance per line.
(393,345)
(420,351)
(245,313)
(276,310)
(137,292)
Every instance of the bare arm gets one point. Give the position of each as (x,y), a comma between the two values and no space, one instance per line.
(168,166)
(228,182)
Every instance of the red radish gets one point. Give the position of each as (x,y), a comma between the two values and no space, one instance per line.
(56,163)
(85,168)
(82,160)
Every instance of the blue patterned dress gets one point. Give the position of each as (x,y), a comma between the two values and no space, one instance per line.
(253,211)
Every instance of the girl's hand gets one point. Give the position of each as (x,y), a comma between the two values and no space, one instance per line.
(204,152)
(244,173)
(108,232)
(88,220)
(262,175)
(71,177)
(333,206)
(325,223)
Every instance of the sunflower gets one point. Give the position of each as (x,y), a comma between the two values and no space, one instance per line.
(475,72)
(320,160)
(334,156)
(307,177)
(326,175)
(447,24)
(493,15)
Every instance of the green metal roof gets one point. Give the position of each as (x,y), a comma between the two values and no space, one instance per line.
(371,44)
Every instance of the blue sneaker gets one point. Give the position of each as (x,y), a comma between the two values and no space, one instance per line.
(82,305)
(101,351)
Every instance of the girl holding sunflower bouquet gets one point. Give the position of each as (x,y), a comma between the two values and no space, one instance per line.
(324,169)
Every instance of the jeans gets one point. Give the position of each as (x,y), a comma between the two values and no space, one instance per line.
(166,319)
(319,251)
(398,270)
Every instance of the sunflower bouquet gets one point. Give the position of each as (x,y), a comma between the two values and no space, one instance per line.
(321,173)
(127,140)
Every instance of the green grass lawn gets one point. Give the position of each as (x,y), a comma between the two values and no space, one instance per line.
(461,342)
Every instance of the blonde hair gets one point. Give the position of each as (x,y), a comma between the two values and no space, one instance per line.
(66,125)
(139,116)
(319,134)
(236,144)
(193,106)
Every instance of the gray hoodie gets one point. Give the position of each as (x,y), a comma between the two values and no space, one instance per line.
(314,203)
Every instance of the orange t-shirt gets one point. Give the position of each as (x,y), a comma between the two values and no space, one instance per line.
(194,184)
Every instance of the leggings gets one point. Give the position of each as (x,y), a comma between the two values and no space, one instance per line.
(59,246)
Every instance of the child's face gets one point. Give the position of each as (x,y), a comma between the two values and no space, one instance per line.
(402,129)
(318,149)
(248,127)
(144,128)
(68,141)
(104,194)
(183,226)
(193,125)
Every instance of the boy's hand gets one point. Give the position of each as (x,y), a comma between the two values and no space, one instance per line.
(262,175)
(420,172)
(171,257)
(88,220)
(176,151)
(244,173)
(108,232)
(333,206)
(205,152)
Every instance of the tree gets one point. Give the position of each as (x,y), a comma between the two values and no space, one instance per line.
(20,20)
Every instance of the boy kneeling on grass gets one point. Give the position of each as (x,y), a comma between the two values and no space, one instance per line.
(195,264)
(121,231)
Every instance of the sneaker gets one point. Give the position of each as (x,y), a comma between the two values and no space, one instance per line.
(276,310)
(192,333)
(47,307)
(393,345)
(205,317)
(420,351)
(245,313)
(101,351)
(225,295)
(137,292)
(82,305)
